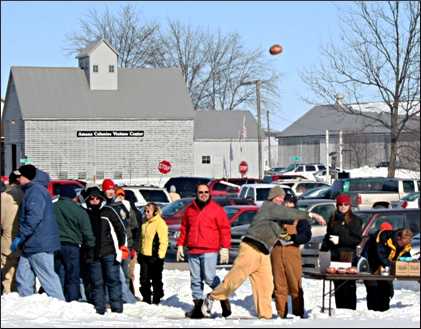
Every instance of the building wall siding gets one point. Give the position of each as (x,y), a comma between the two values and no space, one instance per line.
(54,147)
(14,133)
(222,165)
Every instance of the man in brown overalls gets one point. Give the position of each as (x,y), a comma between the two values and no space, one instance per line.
(286,264)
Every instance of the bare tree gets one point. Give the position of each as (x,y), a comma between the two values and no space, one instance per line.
(378,57)
(214,65)
(134,39)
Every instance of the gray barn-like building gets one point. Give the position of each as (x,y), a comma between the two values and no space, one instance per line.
(139,117)
(364,142)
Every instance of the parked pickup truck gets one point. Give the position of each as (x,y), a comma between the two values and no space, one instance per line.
(373,192)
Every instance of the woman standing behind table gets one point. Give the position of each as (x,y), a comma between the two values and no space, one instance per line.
(343,234)
(152,254)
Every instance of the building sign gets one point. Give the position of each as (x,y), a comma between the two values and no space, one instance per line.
(110,133)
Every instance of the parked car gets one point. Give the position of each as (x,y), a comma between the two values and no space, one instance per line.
(238,215)
(321,192)
(219,187)
(411,200)
(306,170)
(243,180)
(54,185)
(320,175)
(301,186)
(258,193)
(269,179)
(173,212)
(186,186)
(149,193)
(371,221)
(325,209)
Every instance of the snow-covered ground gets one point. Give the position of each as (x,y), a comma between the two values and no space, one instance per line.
(42,311)
(382,172)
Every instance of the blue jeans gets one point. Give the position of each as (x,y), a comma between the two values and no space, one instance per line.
(105,273)
(203,269)
(67,266)
(40,265)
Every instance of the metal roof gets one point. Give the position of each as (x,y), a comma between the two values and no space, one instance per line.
(212,124)
(64,94)
(325,117)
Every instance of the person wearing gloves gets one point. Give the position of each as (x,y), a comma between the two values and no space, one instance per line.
(286,264)
(205,231)
(343,234)
(104,259)
(38,236)
(382,249)
(253,259)
(152,254)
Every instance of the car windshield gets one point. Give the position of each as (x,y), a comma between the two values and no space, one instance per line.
(170,209)
(315,192)
(262,193)
(154,195)
(230,211)
(57,187)
(411,196)
(290,167)
(396,220)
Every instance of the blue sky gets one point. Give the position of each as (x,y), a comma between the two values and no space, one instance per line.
(33,33)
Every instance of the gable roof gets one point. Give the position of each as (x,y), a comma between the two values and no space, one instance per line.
(64,94)
(214,124)
(92,46)
(325,117)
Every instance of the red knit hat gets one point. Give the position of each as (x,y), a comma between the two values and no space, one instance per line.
(343,199)
(107,184)
(386,226)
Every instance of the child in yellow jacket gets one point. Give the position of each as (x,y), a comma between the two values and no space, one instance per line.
(152,254)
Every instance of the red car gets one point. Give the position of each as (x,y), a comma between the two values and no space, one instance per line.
(240,214)
(220,187)
(55,184)
(173,212)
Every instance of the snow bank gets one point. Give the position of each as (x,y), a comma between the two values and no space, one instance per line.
(41,311)
(382,172)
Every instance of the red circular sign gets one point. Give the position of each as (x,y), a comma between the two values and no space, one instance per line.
(164,167)
(243,167)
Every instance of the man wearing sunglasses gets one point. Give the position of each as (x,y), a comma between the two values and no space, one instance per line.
(205,231)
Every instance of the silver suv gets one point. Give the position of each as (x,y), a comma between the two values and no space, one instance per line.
(307,170)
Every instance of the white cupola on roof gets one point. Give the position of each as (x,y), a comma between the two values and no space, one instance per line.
(99,61)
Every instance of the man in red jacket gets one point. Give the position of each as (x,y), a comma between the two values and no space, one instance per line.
(205,231)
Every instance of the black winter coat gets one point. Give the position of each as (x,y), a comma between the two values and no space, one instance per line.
(382,249)
(350,235)
(104,221)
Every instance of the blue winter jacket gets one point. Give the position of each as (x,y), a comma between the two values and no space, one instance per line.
(37,224)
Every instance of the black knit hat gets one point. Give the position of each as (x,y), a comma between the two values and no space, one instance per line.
(29,171)
(92,191)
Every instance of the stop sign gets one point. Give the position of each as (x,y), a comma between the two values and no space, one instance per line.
(243,167)
(164,167)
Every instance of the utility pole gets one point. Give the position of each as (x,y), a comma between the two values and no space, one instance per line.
(259,128)
(327,157)
(258,84)
(340,151)
(269,150)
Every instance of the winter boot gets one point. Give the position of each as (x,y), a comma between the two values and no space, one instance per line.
(226,308)
(196,312)
(207,305)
